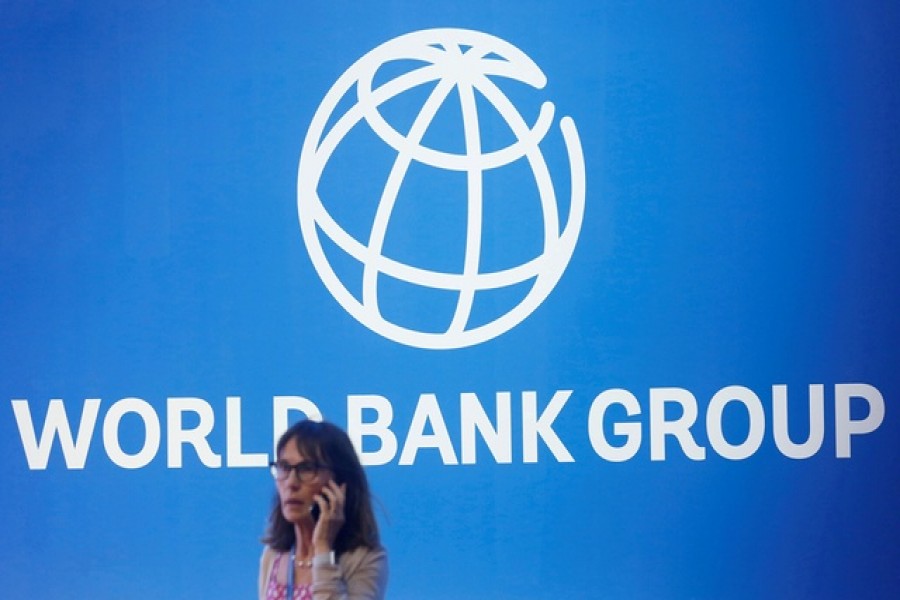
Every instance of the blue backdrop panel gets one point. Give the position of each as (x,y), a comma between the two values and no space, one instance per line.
(517,215)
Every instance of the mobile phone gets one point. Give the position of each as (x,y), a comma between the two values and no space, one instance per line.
(315,511)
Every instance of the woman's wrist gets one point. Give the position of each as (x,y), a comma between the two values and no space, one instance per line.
(322,547)
(324,558)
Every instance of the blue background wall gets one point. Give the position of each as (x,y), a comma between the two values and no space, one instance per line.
(740,229)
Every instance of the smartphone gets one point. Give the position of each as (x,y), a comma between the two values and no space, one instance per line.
(315,511)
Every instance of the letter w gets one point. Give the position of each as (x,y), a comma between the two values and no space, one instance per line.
(56,424)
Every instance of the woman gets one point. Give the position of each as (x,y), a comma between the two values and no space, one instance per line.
(322,539)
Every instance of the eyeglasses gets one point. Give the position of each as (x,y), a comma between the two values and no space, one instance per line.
(306,471)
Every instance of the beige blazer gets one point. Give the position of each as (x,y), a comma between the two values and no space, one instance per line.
(360,574)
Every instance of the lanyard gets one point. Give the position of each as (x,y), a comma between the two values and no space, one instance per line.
(290,585)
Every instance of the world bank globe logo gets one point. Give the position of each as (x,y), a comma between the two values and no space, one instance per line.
(438,203)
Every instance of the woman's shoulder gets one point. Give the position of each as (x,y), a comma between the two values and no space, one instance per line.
(265,568)
(267,559)
(365,571)
(268,554)
(363,555)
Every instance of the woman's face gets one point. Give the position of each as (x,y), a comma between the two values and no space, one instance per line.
(296,492)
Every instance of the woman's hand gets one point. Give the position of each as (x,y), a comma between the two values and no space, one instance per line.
(331,516)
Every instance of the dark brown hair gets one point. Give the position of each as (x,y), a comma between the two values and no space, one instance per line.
(327,444)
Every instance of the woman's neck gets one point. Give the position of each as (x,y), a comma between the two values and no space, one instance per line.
(303,535)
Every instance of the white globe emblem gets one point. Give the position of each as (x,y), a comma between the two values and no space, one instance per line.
(446,66)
